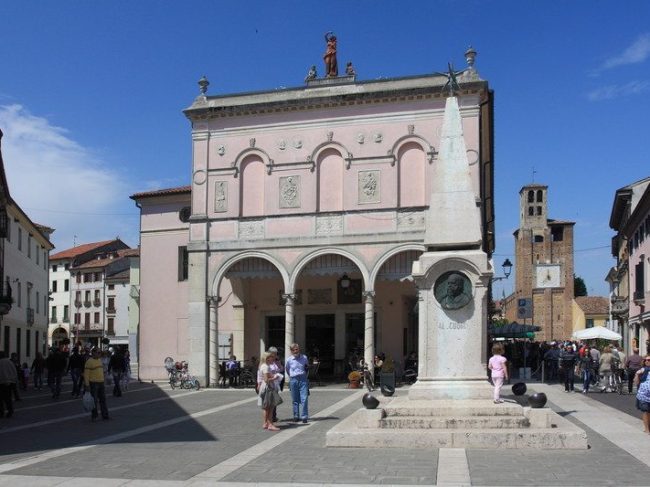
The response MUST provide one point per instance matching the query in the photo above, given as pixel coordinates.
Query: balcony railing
(620, 305)
(53, 319)
(97, 302)
(77, 304)
(87, 304)
(66, 319)
(110, 309)
(30, 316)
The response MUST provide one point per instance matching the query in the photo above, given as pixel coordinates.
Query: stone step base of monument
(403, 423)
(456, 422)
(402, 406)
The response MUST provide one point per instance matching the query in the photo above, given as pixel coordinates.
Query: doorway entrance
(275, 333)
(319, 337)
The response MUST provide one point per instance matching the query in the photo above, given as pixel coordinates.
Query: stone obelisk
(452, 277)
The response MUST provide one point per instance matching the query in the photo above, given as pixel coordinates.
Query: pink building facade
(303, 219)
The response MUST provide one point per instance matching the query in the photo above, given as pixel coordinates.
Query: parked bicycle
(179, 375)
(368, 381)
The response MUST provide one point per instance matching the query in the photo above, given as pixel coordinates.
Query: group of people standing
(270, 382)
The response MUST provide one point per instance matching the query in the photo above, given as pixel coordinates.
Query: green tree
(579, 287)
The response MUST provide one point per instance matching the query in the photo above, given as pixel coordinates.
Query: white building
(26, 251)
(61, 302)
(94, 304)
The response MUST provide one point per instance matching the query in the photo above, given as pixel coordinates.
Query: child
(497, 365)
(25, 376)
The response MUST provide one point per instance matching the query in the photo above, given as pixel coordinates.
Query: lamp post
(507, 269)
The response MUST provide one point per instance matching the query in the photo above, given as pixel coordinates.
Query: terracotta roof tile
(78, 250)
(593, 305)
(95, 263)
(162, 192)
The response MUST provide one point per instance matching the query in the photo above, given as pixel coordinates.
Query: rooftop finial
(451, 85)
(470, 73)
(203, 85)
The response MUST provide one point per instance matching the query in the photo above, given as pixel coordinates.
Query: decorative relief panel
(329, 225)
(319, 296)
(290, 192)
(410, 221)
(251, 229)
(220, 196)
(369, 186)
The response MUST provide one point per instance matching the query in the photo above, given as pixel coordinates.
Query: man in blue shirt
(297, 367)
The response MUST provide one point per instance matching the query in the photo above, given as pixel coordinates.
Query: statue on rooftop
(349, 69)
(312, 74)
(331, 66)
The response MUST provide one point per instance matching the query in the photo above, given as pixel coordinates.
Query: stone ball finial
(203, 84)
(470, 56)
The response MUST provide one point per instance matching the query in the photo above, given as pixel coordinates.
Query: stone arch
(421, 141)
(262, 154)
(216, 281)
(337, 146)
(391, 253)
(329, 250)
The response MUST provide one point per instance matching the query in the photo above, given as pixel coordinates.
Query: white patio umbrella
(597, 332)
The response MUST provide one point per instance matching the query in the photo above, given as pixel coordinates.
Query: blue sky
(91, 95)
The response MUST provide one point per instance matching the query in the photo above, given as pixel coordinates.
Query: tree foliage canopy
(579, 287)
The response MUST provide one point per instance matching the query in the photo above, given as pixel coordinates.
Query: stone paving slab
(165, 457)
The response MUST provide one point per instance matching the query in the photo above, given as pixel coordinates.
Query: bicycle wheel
(196, 384)
(367, 380)
(172, 382)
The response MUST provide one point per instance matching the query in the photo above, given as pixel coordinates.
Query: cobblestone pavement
(214, 437)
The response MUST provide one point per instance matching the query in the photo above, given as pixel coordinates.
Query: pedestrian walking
(14, 385)
(606, 364)
(268, 383)
(499, 370)
(232, 370)
(126, 377)
(277, 368)
(8, 379)
(297, 367)
(38, 365)
(116, 368)
(587, 370)
(632, 365)
(56, 369)
(94, 380)
(567, 364)
(643, 393)
(24, 375)
(75, 368)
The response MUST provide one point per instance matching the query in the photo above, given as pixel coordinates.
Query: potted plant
(355, 379)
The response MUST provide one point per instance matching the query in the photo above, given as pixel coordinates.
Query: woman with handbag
(268, 398)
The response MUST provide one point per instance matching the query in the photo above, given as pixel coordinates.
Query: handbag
(88, 402)
(271, 398)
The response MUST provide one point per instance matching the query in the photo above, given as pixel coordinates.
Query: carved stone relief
(377, 137)
(329, 225)
(220, 196)
(221, 150)
(200, 176)
(290, 192)
(297, 143)
(282, 144)
(369, 187)
(251, 229)
(361, 138)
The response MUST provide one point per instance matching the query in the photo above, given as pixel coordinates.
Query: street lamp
(507, 269)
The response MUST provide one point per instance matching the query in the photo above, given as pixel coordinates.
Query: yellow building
(590, 311)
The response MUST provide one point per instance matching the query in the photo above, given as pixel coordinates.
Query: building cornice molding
(378, 92)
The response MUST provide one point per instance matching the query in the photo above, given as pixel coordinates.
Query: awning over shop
(513, 330)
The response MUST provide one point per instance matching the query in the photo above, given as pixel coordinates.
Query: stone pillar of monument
(289, 300)
(452, 277)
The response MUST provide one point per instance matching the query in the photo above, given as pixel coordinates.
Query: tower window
(531, 211)
(539, 195)
(539, 238)
(557, 234)
(531, 196)
(539, 210)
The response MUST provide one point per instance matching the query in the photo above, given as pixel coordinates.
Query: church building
(305, 213)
